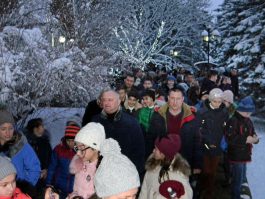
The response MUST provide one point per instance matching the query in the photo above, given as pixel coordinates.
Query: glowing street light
(209, 36)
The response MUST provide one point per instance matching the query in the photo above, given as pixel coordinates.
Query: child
(116, 176)
(240, 135)
(8, 188)
(41, 145)
(166, 164)
(58, 172)
(84, 164)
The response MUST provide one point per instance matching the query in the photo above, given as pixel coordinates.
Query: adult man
(129, 82)
(123, 128)
(209, 82)
(180, 120)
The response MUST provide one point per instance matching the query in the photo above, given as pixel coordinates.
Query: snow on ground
(256, 169)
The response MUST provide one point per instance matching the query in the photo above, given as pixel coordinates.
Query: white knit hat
(215, 93)
(228, 96)
(92, 135)
(116, 173)
(6, 167)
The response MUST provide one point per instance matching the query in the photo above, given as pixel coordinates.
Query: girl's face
(131, 194)
(216, 103)
(8, 185)
(86, 153)
(6, 132)
(157, 154)
(39, 131)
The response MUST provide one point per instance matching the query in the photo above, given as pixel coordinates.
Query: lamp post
(209, 36)
(62, 40)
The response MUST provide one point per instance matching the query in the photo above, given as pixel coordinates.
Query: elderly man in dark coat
(123, 128)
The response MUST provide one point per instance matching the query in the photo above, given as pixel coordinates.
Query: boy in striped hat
(58, 172)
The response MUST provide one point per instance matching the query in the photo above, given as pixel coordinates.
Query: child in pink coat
(84, 163)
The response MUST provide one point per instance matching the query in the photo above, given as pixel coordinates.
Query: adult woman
(15, 146)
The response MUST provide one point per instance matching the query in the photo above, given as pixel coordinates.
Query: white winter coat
(150, 186)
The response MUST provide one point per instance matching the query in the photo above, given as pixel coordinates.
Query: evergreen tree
(242, 26)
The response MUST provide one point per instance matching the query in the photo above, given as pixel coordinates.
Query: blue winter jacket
(58, 172)
(25, 160)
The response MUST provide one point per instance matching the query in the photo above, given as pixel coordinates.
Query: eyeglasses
(76, 149)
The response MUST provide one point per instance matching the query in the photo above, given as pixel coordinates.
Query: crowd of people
(155, 135)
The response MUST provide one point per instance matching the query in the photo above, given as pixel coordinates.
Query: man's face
(175, 100)
(189, 79)
(110, 102)
(129, 81)
(6, 132)
(147, 84)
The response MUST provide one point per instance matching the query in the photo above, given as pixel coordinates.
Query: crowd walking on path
(156, 134)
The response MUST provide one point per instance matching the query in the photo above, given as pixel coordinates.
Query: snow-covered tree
(242, 25)
(151, 29)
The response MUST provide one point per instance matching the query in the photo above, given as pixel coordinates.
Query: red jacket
(17, 195)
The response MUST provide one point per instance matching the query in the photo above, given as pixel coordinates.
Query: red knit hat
(169, 145)
(71, 131)
(171, 188)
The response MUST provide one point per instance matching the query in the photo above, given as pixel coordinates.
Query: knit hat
(92, 135)
(6, 167)
(150, 93)
(171, 77)
(215, 93)
(75, 118)
(116, 173)
(169, 145)
(6, 117)
(246, 105)
(71, 131)
(171, 188)
(228, 96)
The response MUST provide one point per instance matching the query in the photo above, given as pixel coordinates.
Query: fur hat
(6, 167)
(71, 131)
(215, 93)
(228, 96)
(169, 145)
(246, 105)
(6, 117)
(92, 135)
(116, 173)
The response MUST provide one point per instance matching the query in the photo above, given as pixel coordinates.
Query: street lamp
(210, 36)
(62, 40)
